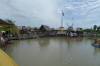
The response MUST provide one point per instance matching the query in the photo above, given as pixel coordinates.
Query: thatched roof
(70, 28)
(44, 27)
(3, 23)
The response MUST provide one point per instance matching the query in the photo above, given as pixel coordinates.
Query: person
(3, 42)
(95, 41)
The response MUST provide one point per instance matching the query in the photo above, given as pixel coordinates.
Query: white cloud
(43, 10)
(37, 12)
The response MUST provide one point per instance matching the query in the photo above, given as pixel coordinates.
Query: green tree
(95, 27)
(12, 28)
(87, 30)
(98, 28)
(81, 28)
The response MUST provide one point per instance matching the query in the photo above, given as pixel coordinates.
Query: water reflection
(96, 51)
(56, 51)
(43, 42)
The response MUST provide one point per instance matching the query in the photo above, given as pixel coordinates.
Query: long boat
(5, 60)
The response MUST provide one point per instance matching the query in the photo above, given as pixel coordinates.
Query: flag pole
(61, 21)
(62, 18)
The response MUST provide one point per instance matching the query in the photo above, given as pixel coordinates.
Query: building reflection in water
(71, 41)
(43, 42)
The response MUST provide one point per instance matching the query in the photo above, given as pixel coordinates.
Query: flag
(62, 13)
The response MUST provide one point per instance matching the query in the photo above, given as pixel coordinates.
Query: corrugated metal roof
(3, 23)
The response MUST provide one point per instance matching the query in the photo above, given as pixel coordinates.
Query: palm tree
(13, 28)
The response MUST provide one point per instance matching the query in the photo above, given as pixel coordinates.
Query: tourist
(3, 42)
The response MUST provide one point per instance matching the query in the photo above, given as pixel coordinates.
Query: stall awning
(3, 23)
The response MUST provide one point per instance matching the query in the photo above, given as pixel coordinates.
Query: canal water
(55, 51)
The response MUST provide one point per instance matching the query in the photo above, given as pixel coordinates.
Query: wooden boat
(97, 41)
(5, 60)
(96, 45)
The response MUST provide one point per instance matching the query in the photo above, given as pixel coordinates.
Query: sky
(80, 13)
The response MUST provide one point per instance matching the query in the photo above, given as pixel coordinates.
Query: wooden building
(45, 28)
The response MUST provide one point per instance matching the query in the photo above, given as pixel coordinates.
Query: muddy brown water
(54, 51)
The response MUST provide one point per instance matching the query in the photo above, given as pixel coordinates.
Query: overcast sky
(81, 13)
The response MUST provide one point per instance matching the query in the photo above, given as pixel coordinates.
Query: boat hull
(96, 45)
(5, 60)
